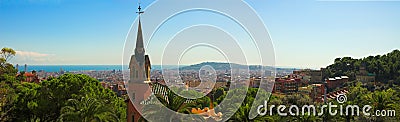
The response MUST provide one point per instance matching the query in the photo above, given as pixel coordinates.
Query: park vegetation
(70, 97)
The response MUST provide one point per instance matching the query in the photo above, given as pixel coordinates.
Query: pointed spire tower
(139, 50)
(138, 84)
(140, 63)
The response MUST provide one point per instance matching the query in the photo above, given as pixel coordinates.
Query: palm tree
(87, 109)
(241, 111)
(381, 100)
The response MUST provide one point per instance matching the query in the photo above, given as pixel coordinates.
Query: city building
(255, 82)
(317, 93)
(305, 90)
(313, 76)
(287, 85)
(204, 86)
(31, 77)
(336, 82)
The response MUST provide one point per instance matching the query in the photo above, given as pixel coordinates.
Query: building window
(133, 118)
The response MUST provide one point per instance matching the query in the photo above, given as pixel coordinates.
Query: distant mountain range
(215, 65)
(227, 66)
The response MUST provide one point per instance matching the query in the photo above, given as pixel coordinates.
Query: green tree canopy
(67, 95)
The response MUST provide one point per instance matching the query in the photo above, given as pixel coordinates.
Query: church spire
(139, 37)
(139, 50)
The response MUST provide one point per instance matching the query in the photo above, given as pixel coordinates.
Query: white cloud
(32, 57)
(30, 54)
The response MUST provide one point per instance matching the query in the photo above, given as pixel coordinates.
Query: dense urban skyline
(306, 34)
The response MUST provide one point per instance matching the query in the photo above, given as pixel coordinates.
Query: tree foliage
(87, 109)
(6, 54)
(66, 98)
(5, 67)
(8, 83)
(236, 111)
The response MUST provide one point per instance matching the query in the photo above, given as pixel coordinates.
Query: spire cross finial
(140, 10)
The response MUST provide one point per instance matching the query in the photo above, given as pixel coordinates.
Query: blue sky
(305, 34)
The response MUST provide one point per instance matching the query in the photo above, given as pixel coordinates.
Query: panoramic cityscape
(82, 70)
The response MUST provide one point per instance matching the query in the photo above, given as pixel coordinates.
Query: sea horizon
(79, 67)
(97, 67)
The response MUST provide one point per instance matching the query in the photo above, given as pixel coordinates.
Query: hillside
(215, 65)
(385, 67)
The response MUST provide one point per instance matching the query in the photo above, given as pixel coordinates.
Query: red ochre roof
(27, 74)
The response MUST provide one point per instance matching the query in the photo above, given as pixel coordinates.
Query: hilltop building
(364, 76)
